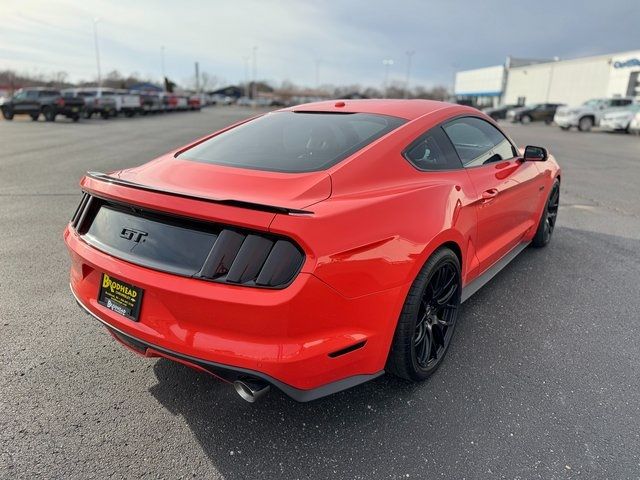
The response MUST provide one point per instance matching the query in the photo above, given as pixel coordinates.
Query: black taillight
(79, 210)
(283, 262)
(207, 251)
(252, 259)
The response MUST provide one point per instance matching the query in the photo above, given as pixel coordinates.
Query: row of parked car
(86, 102)
(612, 114)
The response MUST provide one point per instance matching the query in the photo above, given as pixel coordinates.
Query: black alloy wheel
(549, 217)
(552, 211)
(436, 316)
(428, 318)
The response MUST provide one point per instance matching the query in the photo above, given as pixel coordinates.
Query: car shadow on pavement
(517, 379)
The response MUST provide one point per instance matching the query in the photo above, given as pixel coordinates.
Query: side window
(478, 142)
(620, 102)
(432, 151)
(32, 94)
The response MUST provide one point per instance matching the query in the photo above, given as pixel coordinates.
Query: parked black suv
(499, 113)
(45, 101)
(534, 113)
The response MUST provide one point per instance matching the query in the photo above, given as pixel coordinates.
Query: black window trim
(466, 115)
(441, 125)
(419, 139)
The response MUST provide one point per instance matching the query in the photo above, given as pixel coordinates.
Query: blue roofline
(478, 94)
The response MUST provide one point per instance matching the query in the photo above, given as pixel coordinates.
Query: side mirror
(535, 154)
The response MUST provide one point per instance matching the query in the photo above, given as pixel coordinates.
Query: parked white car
(587, 115)
(619, 118)
(634, 125)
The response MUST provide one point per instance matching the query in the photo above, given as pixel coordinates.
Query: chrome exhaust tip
(251, 389)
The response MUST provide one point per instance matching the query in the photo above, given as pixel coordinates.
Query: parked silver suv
(588, 114)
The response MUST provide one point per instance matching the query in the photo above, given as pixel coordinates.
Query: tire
(415, 340)
(565, 127)
(104, 115)
(526, 119)
(87, 114)
(34, 116)
(548, 122)
(49, 114)
(548, 218)
(585, 124)
(75, 118)
(7, 113)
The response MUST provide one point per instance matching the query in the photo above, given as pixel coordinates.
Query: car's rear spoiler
(103, 177)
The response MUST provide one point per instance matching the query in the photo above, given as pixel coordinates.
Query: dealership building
(528, 81)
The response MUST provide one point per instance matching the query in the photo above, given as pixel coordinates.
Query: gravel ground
(541, 380)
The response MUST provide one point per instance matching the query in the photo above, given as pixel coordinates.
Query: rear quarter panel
(385, 217)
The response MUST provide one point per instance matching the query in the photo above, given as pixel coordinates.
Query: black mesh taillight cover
(188, 247)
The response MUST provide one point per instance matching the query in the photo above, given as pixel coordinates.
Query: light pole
(197, 77)
(410, 54)
(162, 62)
(254, 93)
(246, 76)
(387, 62)
(95, 41)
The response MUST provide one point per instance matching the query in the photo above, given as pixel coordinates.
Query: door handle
(490, 194)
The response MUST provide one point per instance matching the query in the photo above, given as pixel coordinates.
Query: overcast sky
(347, 39)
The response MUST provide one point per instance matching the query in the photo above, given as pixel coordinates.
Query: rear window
(293, 141)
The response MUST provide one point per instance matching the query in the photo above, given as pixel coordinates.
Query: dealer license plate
(120, 297)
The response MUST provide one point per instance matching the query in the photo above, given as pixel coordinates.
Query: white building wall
(530, 82)
(479, 81)
(571, 81)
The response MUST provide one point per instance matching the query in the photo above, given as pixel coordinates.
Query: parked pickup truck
(127, 102)
(587, 115)
(150, 102)
(97, 100)
(48, 102)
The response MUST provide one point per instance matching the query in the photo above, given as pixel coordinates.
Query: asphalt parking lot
(542, 380)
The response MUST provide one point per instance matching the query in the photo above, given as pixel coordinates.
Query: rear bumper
(71, 110)
(228, 373)
(287, 337)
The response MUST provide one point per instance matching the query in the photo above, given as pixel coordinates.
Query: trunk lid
(222, 183)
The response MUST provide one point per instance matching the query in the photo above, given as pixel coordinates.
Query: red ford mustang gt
(312, 248)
